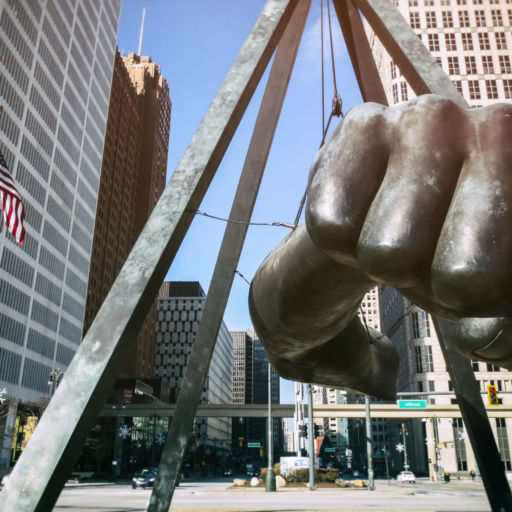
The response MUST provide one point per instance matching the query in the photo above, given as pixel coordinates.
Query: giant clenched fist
(416, 196)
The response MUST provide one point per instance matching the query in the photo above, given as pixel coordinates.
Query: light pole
(311, 437)
(369, 447)
(403, 431)
(270, 483)
(54, 380)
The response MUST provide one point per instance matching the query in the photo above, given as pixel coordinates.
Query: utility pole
(369, 443)
(403, 429)
(270, 482)
(311, 436)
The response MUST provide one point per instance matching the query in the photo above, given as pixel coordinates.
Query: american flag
(12, 207)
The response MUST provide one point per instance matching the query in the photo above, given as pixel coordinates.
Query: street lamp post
(404, 433)
(270, 483)
(54, 380)
(311, 436)
(369, 444)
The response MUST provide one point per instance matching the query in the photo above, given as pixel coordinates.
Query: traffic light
(303, 430)
(317, 430)
(492, 395)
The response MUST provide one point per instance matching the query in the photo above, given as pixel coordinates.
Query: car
(228, 472)
(406, 476)
(356, 473)
(144, 478)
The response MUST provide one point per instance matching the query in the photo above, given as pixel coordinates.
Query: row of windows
(466, 42)
(68, 145)
(429, 3)
(64, 354)
(11, 329)
(70, 331)
(65, 168)
(62, 28)
(9, 128)
(17, 39)
(11, 64)
(14, 298)
(73, 307)
(29, 151)
(54, 42)
(47, 86)
(35, 375)
(423, 359)
(79, 261)
(62, 191)
(43, 109)
(44, 316)
(53, 236)
(11, 97)
(40, 343)
(81, 237)
(39, 133)
(51, 64)
(48, 289)
(24, 19)
(75, 283)
(484, 65)
(463, 17)
(10, 364)
(51, 263)
(15, 266)
(89, 174)
(70, 121)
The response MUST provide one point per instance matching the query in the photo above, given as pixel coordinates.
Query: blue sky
(195, 43)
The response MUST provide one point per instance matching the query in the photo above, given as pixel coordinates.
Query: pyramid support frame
(40, 474)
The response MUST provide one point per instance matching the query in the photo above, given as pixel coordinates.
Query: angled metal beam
(227, 262)
(358, 47)
(476, 421)
(45, 464)
(419, 68)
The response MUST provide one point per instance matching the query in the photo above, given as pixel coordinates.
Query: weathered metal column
(227, 261)
(40, 474)
(475, 419)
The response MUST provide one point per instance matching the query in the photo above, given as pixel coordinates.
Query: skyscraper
(57, 59)
(132, 179)
(250, 386)
(471, 40)
(180, 307)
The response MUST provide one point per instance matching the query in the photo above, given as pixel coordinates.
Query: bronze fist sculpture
(416, 196)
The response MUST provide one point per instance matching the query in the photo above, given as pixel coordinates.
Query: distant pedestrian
(472, 474)
(446, 477)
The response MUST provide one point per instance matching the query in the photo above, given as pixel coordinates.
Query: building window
(462, 2)
(497, 19)
(492, 368)
(458, 84)
(501, 42)
(429, 361)
(414, 18)
(492, 89)
(480, 18)
(453, 66)
(396, 99)
(464, 18)
(505, 64)
(420, 324)
(445, 2)
(431, 386)
(483, 41)
(450, 43)
(413, 3)
(420, 386)
(431, 19)
(487, 64)
(403, 91)
(447, 19)
(470, 65)
(467, 41)
(474, 89)
(418, 359)
(507, 88)
(460, 445)
(393, 70)
(475, 366)
(433, 42)
(501, 430)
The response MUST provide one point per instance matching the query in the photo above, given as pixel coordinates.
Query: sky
(195, 43)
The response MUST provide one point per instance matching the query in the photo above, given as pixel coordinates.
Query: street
(218, 495)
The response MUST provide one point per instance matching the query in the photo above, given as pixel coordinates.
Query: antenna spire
(141, 30)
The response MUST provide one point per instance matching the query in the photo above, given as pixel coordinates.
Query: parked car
(228, 472)
(144, 478)
(406, 476)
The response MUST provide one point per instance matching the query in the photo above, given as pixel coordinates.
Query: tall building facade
(250, 386)
(472, 41)
(180, 307)
(57, 59)
(132, 179)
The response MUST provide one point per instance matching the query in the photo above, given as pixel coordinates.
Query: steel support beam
(40, 474)
(227, 262)
(475, 419)
(360, 52)
(419, 68)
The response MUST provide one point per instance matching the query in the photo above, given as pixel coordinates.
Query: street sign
(253, 445)
(412, 404)
(330, 450)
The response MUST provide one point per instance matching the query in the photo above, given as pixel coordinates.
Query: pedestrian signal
(492, 395)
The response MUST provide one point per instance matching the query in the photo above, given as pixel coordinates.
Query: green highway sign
(330, 450)
(412, 404)
(253, 445)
